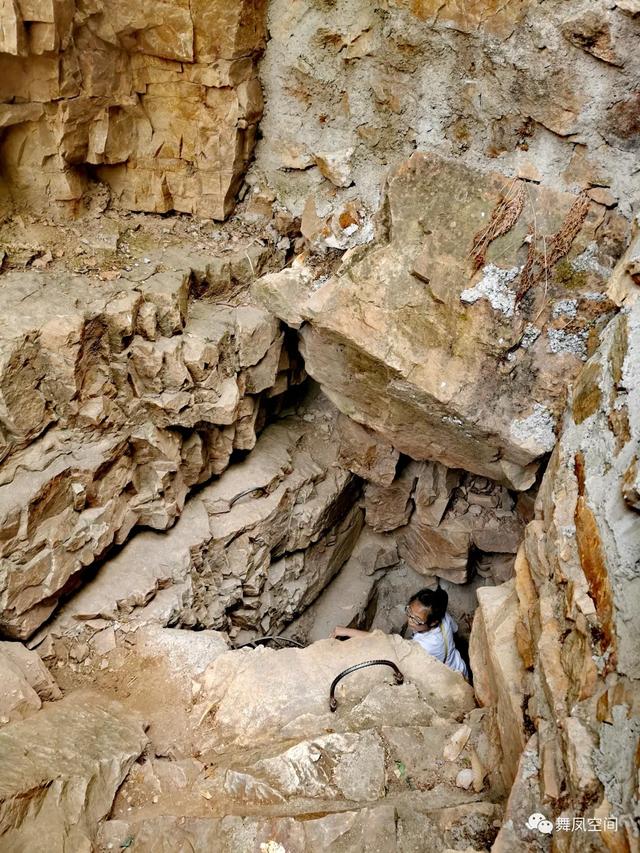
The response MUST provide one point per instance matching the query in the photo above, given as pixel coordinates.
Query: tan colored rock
(578, 591)
(372, 830)
(448, 358)
(390, 507)
(18, 699)
(140, 406)
(302, 707)
(346, 599)
(497, 668)
(336, 166)
(33, 669)
(456, 743)
(252, 550)
(453, 513)
(60, 771)
(624, 285)
(163, 100)
(365, 453)
(592, 32)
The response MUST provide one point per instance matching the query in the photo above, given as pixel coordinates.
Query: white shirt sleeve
(454, 624)
(431, 642)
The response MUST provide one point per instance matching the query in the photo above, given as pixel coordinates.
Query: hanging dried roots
(555, 248)
(504, 217)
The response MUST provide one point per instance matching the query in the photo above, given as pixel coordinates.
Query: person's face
(417, 617)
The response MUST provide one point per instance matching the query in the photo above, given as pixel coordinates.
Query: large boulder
(455, 334)
(293, 701)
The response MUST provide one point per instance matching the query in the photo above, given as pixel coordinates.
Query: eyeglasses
(413, 618)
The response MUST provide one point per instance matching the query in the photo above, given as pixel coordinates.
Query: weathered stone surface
(389, 506)
(345, 601)
(114, 403)
(164, 100)
(32, 668)
(498, 670)
(302, 707)
(471, 375)
(624, 284)
(442, 515)
(578, 590)
(365, 453)
(18, 699)
(484, 82)
(251, 550)
(370, 830)
(60, 770)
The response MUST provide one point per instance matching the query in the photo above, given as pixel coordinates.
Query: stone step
(60, 770)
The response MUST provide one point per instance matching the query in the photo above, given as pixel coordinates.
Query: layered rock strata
(116, 400)
(161, 101)
(454, 335)
(250, 551)
(574, 618)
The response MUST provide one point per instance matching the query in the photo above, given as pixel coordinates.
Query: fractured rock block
(164, 100)
(389, 506)
(251, 550)
(299, 706)
(498, 670)
(60, 770)
(466, 375)
(113, 405)
(365, 453)
(357, 771)
(445, 514)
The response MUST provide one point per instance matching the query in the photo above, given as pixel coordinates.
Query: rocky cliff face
(574, 610)
(410, 358)
(159, 101)
(353, 88)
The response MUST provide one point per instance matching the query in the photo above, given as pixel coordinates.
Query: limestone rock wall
(546, 91)
(574, 617)
(251, 550)
(160, 100)
(117, 399)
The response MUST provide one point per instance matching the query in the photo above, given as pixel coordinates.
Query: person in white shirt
(433, 628)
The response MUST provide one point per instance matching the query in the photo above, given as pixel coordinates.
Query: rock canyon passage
(307, 306)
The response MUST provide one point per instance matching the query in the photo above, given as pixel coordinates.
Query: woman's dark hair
(434, 602)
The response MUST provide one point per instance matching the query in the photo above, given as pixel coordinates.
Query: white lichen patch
(536, 431)
(494, 286)
(568, 343)
(531, 334)
(565, 308)
(588, 262)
